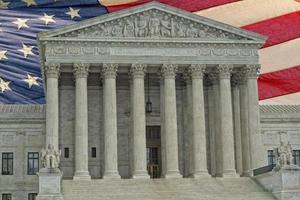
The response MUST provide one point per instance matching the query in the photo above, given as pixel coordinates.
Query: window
(32, 196)
(7, 163)
(33, 163)
(67, 152)
(153, 132)
(6, 197)
(271, 157)
(296, 155)
(94, 152)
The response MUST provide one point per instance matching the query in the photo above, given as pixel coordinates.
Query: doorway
(153, 138)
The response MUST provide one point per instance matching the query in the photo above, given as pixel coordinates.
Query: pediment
(151, 21)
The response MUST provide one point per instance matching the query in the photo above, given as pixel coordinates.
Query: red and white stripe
(279, 20)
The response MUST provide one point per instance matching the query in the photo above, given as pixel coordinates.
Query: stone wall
(22, 130)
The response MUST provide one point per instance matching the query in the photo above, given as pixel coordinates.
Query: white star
(2, 55)
(3, 4)
(73, 13)
(26, 50)
(30, 2)
(47, 18)
(31, 80)
(21, 23)
(4, 85)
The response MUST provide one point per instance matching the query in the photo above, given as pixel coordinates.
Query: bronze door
(153, 151)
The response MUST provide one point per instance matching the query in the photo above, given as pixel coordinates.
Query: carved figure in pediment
(192, 31)
(141, 27)
(107, 30)
(181, 29)
(154, 26)
(117, 30)
(202, 33)
(166, 26)
(129, 29)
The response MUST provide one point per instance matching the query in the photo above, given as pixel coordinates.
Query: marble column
(244, 125)
(189, 124)
(162, 126)
(227, 136)
(237, 123)
(172, 165)
(139, 122)
(215, 121)
(258, 159)
(198, 130)
(212, 128)
(81, 122)
(52, 114)
(109, 72)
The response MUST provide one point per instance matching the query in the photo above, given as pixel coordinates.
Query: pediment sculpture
(153, 23)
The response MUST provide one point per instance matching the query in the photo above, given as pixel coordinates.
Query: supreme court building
(152, 92)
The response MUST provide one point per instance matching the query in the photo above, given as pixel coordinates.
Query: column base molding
(247, 173)
(111, 175)
(140, 175)
(201, 174)
(230, 174)
(172, 174)
(82, 176)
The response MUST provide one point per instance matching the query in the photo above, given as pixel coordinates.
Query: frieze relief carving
(153, 24)
(77, 50)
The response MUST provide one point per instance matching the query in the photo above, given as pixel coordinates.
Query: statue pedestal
(50, 184)
(287, 183)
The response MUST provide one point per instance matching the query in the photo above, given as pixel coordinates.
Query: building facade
(197, 79)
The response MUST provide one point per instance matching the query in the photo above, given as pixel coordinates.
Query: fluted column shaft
(199, 133)
(109, 72)
(189, 124)
(139, 122)
(81, 122)
(244, 126)
(237, 124)
(217, 142)
(257, 158)
(172, 166)
(227, 134)
(52, 115)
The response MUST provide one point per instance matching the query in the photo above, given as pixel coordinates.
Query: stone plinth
(287, 183)
(50, 185)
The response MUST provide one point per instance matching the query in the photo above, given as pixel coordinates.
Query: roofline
(148, 6)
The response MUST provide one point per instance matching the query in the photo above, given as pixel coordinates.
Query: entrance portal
(153, 151)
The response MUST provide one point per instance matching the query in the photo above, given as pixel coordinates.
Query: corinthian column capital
(52, 70)
(138, 70)
(169, 71)
(81, 70)
(252, 71)
(224, 71)
(109, 70)
(197, 71)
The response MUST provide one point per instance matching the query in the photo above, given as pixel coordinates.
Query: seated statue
(50, 157)
(283, 155)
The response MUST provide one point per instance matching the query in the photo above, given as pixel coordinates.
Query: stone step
(165, 189)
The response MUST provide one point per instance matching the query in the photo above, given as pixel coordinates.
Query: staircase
(165, 189)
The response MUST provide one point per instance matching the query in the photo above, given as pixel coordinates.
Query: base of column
(230, 174)
(172, 174)
(247, 174)
(111, 175)
(82, 175)
(201, 174)
(140, 175)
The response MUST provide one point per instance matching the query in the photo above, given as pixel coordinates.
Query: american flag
(21, 20)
